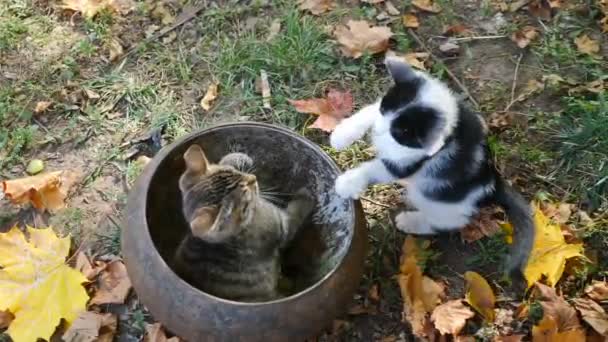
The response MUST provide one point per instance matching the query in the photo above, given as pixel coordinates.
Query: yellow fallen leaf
(316, 7)
(89, 8)
(210, 96)
(43, 191)
(593, 314)
(427, 5)
(587, 45)
(34, 279)
(451, 316)
(420, 294)
(410, 21)
(546, 331)
(479, 295)
(360, 37)
(549, 252)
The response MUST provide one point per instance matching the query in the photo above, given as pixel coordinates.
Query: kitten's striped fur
(233, 247)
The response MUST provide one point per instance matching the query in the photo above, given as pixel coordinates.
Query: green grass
(491, 251)
(12, 30)
(69, 221)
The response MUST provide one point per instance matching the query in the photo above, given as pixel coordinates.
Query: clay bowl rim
(167, 151)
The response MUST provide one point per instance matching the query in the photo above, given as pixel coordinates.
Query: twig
(367, 199)
(469, 39)
(187, 14)
(461, 85)
(515, 75)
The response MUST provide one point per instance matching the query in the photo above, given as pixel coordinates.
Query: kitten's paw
(350, 185)
(413, 222)
(343, 136)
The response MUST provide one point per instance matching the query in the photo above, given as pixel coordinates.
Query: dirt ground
(118, 90)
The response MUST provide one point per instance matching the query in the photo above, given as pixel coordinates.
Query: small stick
(468, 39)
(462, 87)
(515, 75)
(367, 199)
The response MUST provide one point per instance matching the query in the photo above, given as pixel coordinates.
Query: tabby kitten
(425, 137)
(233, 247)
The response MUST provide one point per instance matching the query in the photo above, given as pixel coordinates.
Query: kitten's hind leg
(413, 222)
(298, 209)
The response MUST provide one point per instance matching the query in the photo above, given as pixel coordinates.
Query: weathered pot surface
(328, 254)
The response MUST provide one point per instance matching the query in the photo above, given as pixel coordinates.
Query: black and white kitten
(424, 137)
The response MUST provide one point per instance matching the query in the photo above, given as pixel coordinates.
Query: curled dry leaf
(89, 326)
(451, 316)
(34, 278)
(84, 265)
(598, 290)
(558, 212)
(549, 252)
(89, 8)
(114, 284)
(457, 30)
(156, 333)
(360, 37)
(43, 191)
(42, 106)
(479, 295)
(524, 36)
(410, 20)
(415, 59)
(556, 307)
(336, 106)
(593, 314)
(540, 9)
(116, 49)
(316, 7)
(587, 45)
(210, 96)
(420, 294)
(547, 331)
(484, 224)
(427, 5)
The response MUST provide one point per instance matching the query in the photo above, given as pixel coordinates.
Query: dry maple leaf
(484, 224)
(43, 191)
(547, 331)
(84, 265)
(555, 306)
(34, 279)
(42, 106)
(210, 96)
(451, 316)
(593, 314)
(457, 30)
(587, 45)
(427, 5)
(549, 252)
(156, 333)
(114, 284)
(410, 20)
(415, 59)
(598, 290)
(360, 37)
(524, 36)
(420, 294)
(336, 106)
(558, 212)
(90, 326)
(316, 7)
(479, 295)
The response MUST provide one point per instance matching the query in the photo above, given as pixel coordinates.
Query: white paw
(343, 136)
(350, 185)
(413, 222)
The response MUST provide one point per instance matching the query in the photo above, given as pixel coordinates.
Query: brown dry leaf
(162, 13)
(540, 9)
(516, 5)
(89, 8)
(265, 89)
(42, 106)
(594, 87)
(116, 49)
(587, 45)
(420, 294)
(547, 331)
(88, 326)
(499, 120)
(593, 314)
(509, 338)
(336, 106)
(457, 30)
(84, 265)
(5, 319)
(524, 36)
(604, 23)
(558, 212)
(451, 316)
(415, 59)
(484, 224)
(273, 31)
(555, 306)
(373, 293)
(427, 5)
(479, 295)
(316, 7)
(410, 20)
(210, 96)
(598, 290)
(464, 338)
(114, 284)
(532, 87)
(360, 37)
(156, 333)
(43, 191)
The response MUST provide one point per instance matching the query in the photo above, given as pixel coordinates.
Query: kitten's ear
(203, 222)
(195, 159)
(400, 70)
